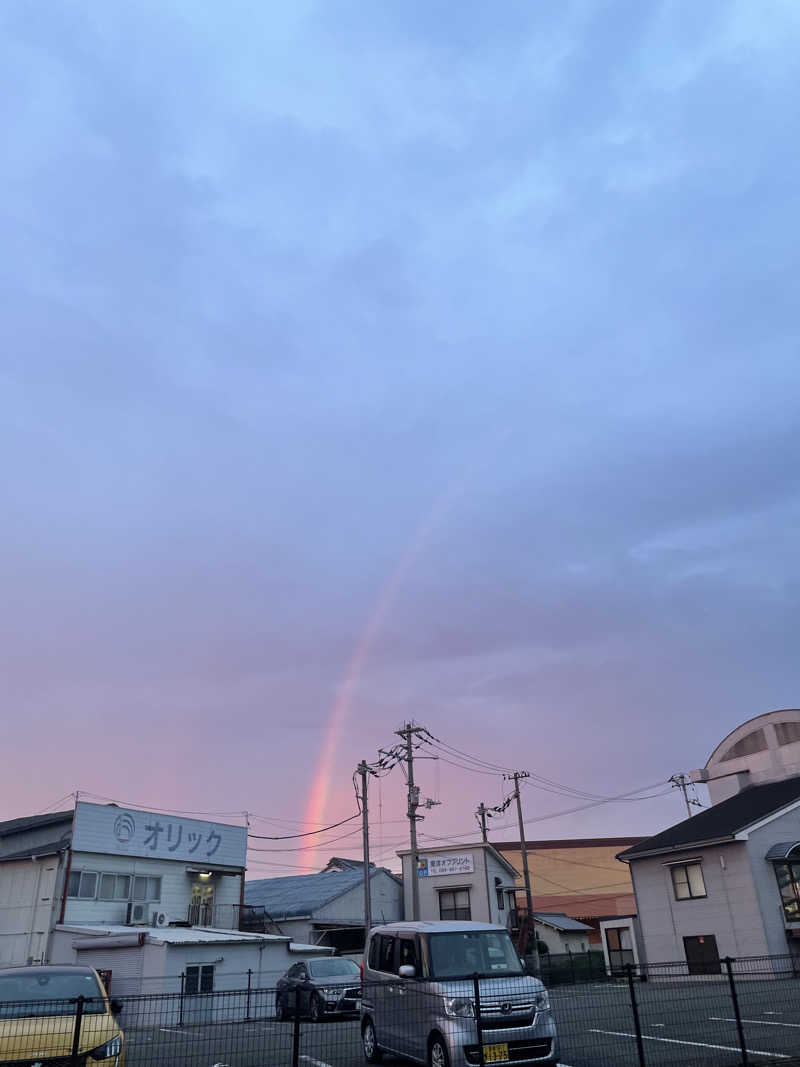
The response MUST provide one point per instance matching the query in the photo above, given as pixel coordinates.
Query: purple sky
(461, 336)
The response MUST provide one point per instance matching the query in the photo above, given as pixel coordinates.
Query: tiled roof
(721, 821)
(301, 894)
(562, 922)
(33, 822)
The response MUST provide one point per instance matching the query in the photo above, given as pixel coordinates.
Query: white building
(147, 896)
(463, 882)
(326, 908)
(561, 934)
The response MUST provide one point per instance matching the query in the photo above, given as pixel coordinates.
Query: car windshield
(32, 992)
(487, 952)
(336, 968)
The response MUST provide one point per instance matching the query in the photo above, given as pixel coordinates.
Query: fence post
(728, 961)
(296, 1029)
(75, 1058)
(476, 992)
(637, 1025)
(571, 964)
(249, 982)
(183, 983)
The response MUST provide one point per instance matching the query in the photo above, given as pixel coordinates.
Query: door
(410, 1002)
(702, 955)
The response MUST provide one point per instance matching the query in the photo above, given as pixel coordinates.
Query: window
(788, 875)
(373, 953)
(91, 885)
(114, 887)
(747, 746)
(82, 884)
(501, 897)
(787, 732)
(199, 978)
(386, 954)
(687, 881)
(454, 904)
(146, 888)
(407, 954)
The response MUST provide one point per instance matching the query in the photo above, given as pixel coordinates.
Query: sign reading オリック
(431, 866)
(105, 828)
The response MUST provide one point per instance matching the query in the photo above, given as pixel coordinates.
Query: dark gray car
(330, 985)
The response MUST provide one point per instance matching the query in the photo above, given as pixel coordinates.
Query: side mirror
(116, 1007)
(407, 971)
(522, 961)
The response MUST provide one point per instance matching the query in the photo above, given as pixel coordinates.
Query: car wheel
(438, 1055)
(372, 1054)
(317, 1009)
(280, 1010)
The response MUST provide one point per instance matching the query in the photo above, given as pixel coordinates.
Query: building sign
(431, 866)
(109, 830)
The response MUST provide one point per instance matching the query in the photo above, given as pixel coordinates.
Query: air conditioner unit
(160, 918)
(138, 914)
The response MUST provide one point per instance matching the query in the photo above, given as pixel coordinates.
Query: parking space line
(694, 1044)
(757, 1022)
(317, 1063)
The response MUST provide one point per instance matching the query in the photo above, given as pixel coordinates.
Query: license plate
(495, 1053)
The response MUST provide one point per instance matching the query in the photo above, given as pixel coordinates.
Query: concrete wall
(730, 911)
(784, 828)
(559, 941)
(28, 899)
(176, 888)
(480, 882)
(386, 900)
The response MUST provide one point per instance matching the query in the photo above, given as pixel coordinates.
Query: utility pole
(481, 814)
(515, 777)
(680, 781)
(364, 769)
(408, 733)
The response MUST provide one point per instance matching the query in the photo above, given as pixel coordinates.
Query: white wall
(730, 911)
(386, 902)
(176, 888)
(28, 897)
(483, 902)
(559, 941)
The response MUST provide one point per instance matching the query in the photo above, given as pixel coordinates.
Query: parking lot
(686, 1022)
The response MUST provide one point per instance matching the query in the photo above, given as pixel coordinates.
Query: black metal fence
(740, 1013)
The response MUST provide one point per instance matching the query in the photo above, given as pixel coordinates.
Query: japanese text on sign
(431, 866)
(105, 828)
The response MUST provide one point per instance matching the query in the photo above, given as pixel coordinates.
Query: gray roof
(302, 894)
(52, 848)
(33, 822)
(559, 921)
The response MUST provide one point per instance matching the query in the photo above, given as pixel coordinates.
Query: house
(145, 895)
(325, 908)
(559, 934)
(579, 877)
(726, 882)
(471, 881)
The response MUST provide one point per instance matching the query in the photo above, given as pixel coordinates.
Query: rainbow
(319, 795)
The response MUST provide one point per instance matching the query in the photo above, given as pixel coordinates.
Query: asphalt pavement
(686, 1024)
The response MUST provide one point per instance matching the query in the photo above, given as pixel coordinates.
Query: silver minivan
(418, 997)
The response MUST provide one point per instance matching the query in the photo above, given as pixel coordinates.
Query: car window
(49, 992)
(407, 955)
(386, 954)
(373, 953)
(333, 968)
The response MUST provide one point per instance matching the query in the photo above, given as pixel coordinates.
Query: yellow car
(38, 1011)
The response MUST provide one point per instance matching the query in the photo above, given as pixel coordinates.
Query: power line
(307, 833)
(302, 848)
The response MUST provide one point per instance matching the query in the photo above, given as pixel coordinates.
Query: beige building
(580, 877)
(470, 882)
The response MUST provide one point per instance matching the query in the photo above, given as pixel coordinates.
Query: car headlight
(459, 1007)
(541, 1001)
(332, 991)
(108, 1050)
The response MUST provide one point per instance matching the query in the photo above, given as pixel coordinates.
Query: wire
(302, 848)
(157, 807)
(307, 833)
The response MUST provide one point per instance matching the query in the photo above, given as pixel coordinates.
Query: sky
(371, 362)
